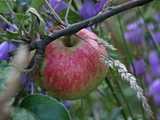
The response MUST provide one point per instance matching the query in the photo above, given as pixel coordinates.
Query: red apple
(73, 67)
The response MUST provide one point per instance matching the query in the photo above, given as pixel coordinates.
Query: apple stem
(69, 41)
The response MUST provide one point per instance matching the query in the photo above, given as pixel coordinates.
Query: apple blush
(73, 65)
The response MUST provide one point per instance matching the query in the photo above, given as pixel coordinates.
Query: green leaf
(4, 69)
(22, 19)
(116, 114)
(20, 113)
(37, 3)
(8, 36)
(73, 17)
(45, 108)
(3, 7)
(35, 12)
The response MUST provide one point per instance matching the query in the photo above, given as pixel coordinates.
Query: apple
(73, 65)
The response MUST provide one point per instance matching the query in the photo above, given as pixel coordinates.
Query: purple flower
(48, 26)
(27, 82)
(135, 25)
(2, 25)
(90, 9)
(135, 36)
(157, 17)
(58, 5)
(154, 91)
(67, 103)
(153, 58)
(155, 70)
(156, 99)
(5, 49)
(148, 78)
(156, 37)
(155, 63)
(7, 27)
(151, 26)
(154, 88)
(11, 28)
(99, 5)
(138, 67)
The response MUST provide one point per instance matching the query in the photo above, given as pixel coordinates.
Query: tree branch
(86, 23)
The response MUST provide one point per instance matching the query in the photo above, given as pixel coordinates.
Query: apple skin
(72, 72)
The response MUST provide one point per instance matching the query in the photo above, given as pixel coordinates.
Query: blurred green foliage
(111, 101)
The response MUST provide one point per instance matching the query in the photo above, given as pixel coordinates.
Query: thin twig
(5, 20)
(67, 12)
(53, 12)
(72, 29)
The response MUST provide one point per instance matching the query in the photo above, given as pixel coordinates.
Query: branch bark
(72, 29)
